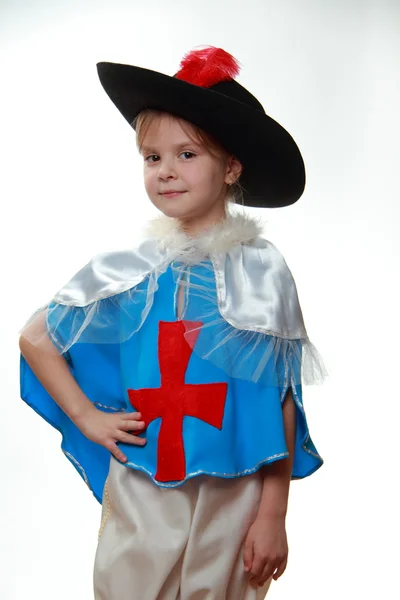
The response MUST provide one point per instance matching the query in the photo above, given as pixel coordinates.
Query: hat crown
(237, 92)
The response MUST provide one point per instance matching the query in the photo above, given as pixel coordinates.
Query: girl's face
(173, 162)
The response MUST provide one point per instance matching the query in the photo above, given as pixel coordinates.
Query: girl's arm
(266, 548)
(274, 501)
(52, 371)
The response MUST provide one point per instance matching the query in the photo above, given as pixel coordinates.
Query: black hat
(205, 93)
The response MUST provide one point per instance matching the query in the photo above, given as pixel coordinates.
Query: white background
(71, 187)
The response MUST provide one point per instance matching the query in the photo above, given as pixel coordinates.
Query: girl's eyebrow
(148, 149)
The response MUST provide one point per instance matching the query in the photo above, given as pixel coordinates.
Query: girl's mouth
(172, 194)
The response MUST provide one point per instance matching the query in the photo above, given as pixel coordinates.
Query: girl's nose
(166, 169)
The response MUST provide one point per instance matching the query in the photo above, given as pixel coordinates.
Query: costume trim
(220, 238)
(262, 462)
(78, 467)
(106, 509)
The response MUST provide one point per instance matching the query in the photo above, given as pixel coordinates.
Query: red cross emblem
(176, 399)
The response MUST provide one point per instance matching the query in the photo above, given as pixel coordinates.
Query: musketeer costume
(209, 382)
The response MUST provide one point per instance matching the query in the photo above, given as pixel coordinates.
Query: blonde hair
(143, 121)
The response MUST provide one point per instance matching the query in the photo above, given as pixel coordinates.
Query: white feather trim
(238, 228)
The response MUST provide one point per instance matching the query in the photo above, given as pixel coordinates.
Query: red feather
(208, 66)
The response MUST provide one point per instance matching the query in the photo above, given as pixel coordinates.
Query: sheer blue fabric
(111, 346)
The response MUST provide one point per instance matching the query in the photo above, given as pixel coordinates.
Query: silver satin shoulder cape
(255, 288)
(252, 305)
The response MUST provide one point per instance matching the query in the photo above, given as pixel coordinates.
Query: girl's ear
(234, 169)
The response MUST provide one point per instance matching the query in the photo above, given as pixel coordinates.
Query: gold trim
(106, 509)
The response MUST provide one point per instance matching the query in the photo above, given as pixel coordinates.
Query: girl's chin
(180, 209)
(175, 210)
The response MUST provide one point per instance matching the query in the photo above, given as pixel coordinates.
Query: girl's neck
(197, 226)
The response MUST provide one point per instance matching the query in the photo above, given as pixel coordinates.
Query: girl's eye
(151, 156)
(156, 157)
(187, 152)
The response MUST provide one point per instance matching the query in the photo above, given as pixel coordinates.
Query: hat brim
(273, 168)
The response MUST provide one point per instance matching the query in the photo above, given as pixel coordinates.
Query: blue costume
(210, 392)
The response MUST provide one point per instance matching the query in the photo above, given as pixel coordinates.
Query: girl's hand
(265, 549)
(108, 428)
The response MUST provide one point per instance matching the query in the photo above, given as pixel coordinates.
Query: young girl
(174, 369)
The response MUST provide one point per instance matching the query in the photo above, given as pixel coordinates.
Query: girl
(174, 369)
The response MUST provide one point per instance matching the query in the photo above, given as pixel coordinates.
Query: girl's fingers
(248, 554)
(131, 415)
(267, 572)
(127, 425)
(128, 438)
(257, 568)
(281, 569)
(116, 452)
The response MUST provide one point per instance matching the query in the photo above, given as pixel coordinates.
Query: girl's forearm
(52, 371)
(277, 475)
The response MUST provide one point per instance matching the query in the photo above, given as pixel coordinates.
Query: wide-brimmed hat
(205, 93)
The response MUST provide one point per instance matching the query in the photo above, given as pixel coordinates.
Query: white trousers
(183, 543)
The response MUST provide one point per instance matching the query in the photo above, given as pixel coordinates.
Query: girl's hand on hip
(266, 549)
(107, 429)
